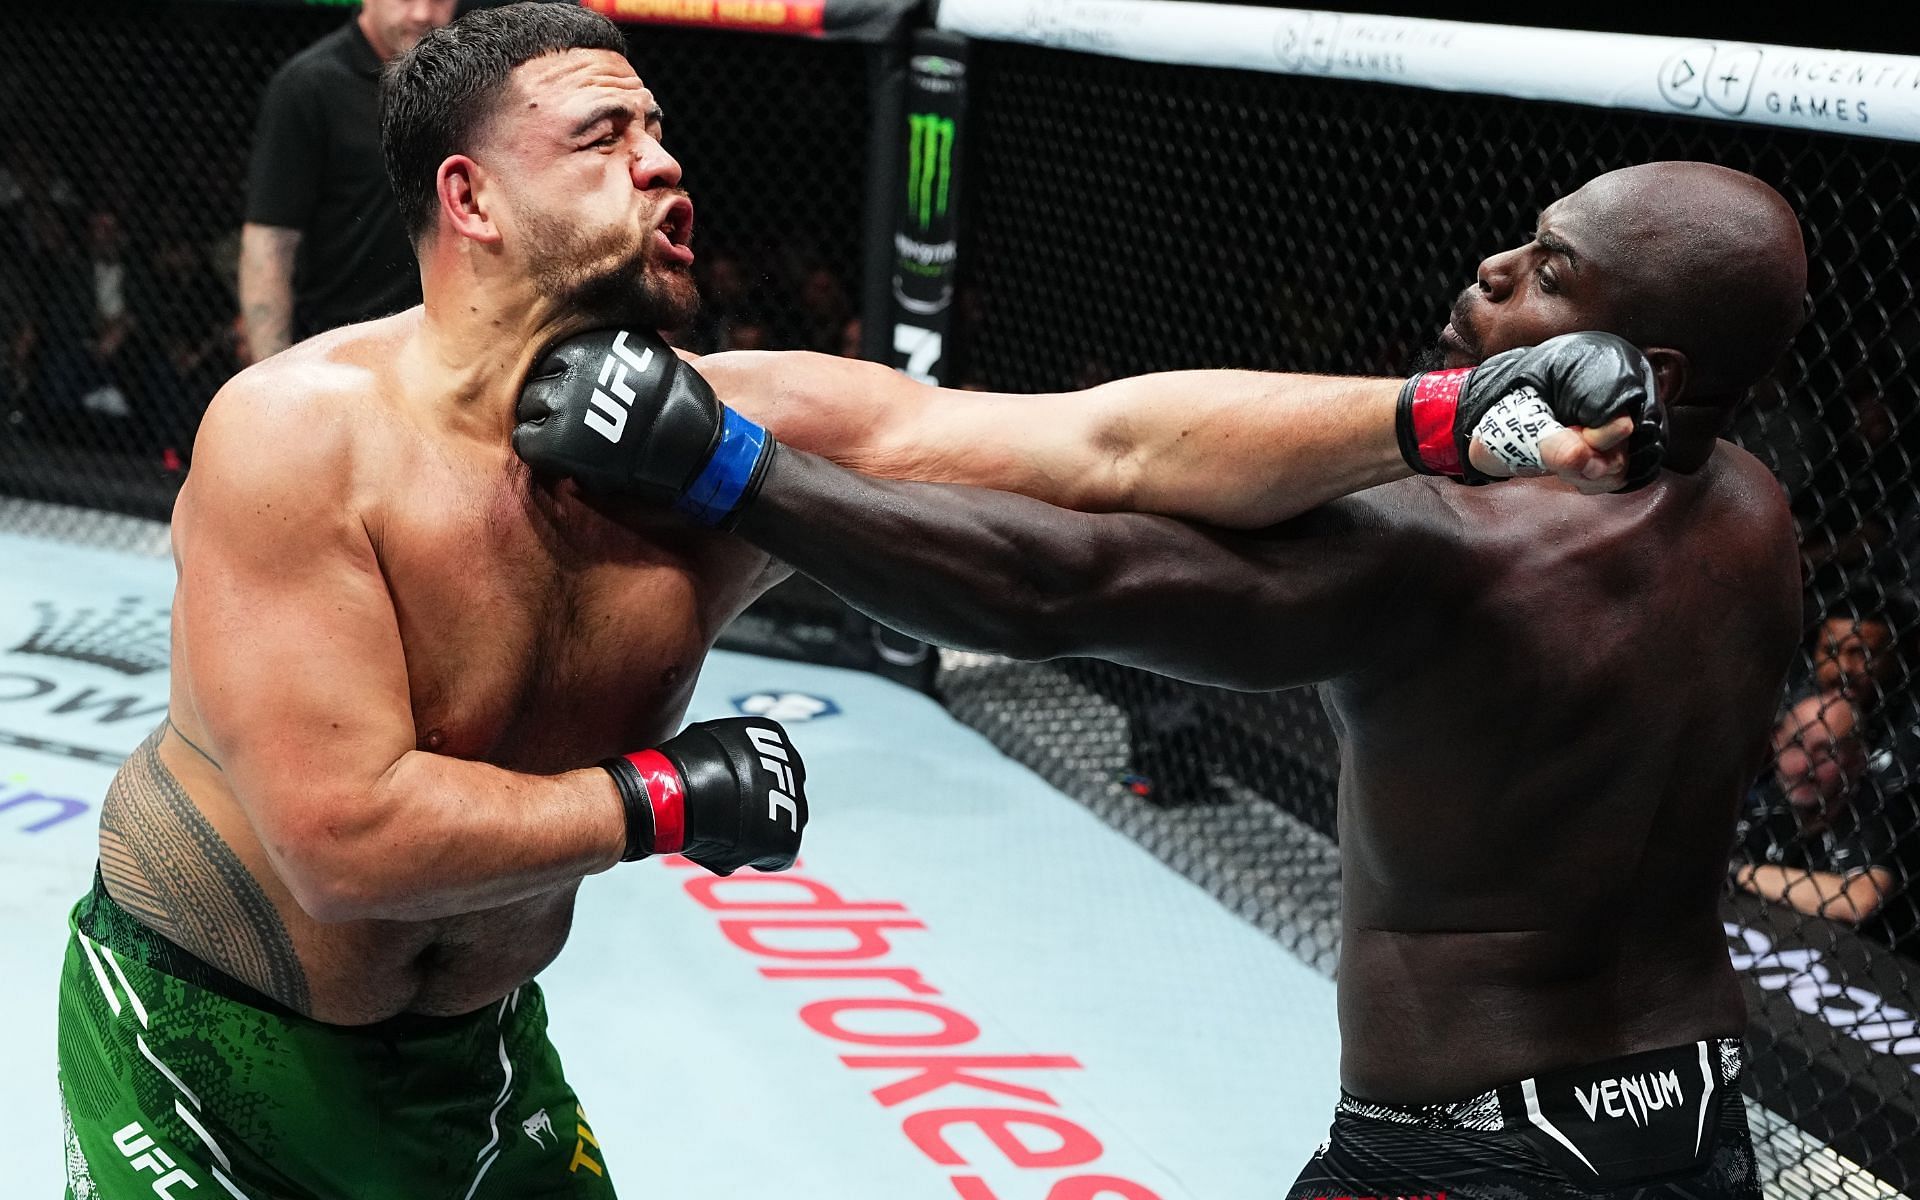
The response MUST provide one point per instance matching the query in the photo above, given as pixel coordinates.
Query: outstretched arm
(1241, 449)
(1852, 897)
(992, 571)
(995, 570)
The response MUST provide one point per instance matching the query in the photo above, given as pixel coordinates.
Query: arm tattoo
(166, 864)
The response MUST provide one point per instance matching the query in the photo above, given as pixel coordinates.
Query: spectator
(323, 244)
(1861, 649)
(1832, 832)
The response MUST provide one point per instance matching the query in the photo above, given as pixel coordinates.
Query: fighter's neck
(474, 345)
(1693, 430)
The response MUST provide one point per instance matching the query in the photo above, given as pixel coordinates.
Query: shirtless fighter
(1535, 994)
(329, 879)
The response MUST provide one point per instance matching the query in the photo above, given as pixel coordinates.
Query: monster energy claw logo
(929, 166)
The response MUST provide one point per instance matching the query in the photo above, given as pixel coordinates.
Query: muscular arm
(1239, 449)
(1851, 898)
(1242, 449)
(267, 254)
(993, 571)
(292, 652)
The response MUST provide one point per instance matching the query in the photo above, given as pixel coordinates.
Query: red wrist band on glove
(666, 795)
(1436, 398)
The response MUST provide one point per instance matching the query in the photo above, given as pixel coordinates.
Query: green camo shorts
(179, 1081)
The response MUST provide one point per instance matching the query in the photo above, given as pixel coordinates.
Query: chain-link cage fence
(1129, 217)
(1124, 217)
(124, 151)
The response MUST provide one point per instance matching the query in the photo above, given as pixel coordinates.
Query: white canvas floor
(1203, 1057)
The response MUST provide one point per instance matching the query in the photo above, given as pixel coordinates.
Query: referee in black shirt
(323, 244)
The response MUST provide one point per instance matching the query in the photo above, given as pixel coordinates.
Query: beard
(1434, 356)
(606, 288)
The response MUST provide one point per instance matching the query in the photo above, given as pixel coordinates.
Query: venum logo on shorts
(608, 416)
(538, 1124)
(1631, 1096)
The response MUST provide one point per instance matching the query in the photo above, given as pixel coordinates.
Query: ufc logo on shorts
(774, 756)
(133, 1142)
(608, 416)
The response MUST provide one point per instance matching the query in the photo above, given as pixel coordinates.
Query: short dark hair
(438, 95)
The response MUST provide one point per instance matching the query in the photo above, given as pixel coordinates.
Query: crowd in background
(114, 336)
(1832, 829)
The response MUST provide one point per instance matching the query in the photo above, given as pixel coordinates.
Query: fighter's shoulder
(1750, 509)
(1417, 509)
(289, 432)
(1744, 481)
(1407, 530)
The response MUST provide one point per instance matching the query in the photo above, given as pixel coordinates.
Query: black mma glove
(623, 414)
(727, 794)
(1584, 379)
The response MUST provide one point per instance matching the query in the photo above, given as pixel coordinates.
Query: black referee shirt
(317, 167)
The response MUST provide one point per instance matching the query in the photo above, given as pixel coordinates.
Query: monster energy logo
(929, 166)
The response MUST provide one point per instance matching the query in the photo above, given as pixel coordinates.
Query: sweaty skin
(395, 655)
(1548, 704)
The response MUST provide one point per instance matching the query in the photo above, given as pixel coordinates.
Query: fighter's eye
(1548, 283)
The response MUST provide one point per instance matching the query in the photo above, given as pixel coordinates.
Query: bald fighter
(1535, 994)
(414, 689)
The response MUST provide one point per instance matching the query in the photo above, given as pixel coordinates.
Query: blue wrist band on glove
(711, 497)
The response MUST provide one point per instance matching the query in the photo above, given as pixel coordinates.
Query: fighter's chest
(542, 635)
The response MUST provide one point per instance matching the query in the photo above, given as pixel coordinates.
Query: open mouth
(677, 222)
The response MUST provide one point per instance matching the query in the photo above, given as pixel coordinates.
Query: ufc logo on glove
(773, 756)
(608, 416)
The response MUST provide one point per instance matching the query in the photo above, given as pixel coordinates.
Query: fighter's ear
(461, 186)
(1671, 373)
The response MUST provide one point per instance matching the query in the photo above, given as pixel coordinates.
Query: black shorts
(1666, 1123)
